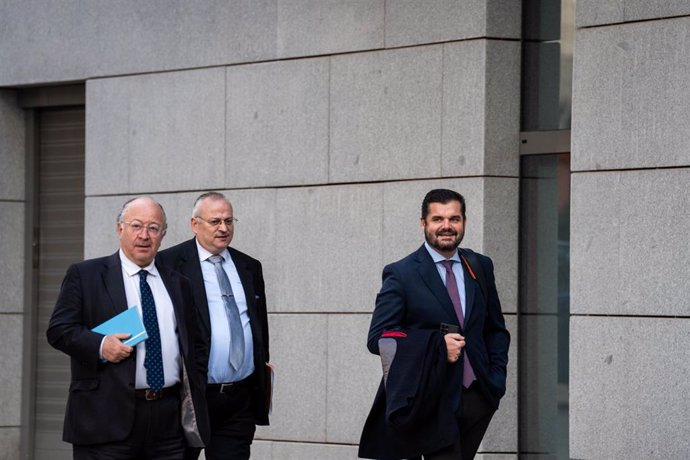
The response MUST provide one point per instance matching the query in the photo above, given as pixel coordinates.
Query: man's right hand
(454, 344)
(114, 350)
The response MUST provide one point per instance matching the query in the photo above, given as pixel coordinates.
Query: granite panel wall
(603, 12)
(385, 117)
(11, 147)
(67, 41)
(277, 123)
(325, 123)
(134, 145)
(419, 21)
(631, 96)
(628, 361)
(12, 229)
(11, 342)
(424, 112)
(628, 230)
(12, 241)
(277, 450)
(315, 27)
(418, 112)
(628, 377)
(106, 38)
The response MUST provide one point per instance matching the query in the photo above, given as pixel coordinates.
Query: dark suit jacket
(185, 258)
(100, 406)
(413, 296)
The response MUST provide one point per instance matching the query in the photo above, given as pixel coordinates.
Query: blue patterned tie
(154, 360)
(233, 313)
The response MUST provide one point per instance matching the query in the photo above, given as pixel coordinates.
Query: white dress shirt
(457, 271)
(219, 370)
(167, 324)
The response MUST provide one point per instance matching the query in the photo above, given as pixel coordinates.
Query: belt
(226, 388)
(151, 395)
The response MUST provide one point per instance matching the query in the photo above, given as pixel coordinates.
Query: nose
(144, 233)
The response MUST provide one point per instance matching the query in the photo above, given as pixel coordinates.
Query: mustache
(446, 233)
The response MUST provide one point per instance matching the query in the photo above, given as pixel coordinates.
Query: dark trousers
(156, 435)
(232, 425)
(474, 415)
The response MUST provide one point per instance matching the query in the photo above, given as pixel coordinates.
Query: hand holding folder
(127, 322)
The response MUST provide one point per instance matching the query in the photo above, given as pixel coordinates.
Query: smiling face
(214, 238)
(444, 227)
(137, 241)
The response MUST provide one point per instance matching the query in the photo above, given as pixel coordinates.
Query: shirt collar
(438, 257)
(204, 254)
(132, 269)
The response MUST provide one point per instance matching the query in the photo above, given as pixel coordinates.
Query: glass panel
(547, 55)
(544, 306)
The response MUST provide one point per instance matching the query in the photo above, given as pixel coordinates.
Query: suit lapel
(190, 266)
(429, 273)
(175, 294)
(114, 283)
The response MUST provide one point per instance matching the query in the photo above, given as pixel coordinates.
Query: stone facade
(325, 122)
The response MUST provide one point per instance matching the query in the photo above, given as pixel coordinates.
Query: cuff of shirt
(100, 351)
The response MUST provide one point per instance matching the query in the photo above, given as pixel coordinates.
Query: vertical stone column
(630, 214)
(12, 250)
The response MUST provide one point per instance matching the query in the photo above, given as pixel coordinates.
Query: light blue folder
(127, 322)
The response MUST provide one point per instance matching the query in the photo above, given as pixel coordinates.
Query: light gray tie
(233, 314)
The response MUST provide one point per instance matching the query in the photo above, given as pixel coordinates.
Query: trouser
(232, 423)
(157, 435)
(474, 415)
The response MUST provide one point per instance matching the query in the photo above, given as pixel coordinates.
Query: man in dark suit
(128, 402)
(229, 291)
(435, 286)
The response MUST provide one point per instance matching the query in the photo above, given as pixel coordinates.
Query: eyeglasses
(215, 222)
(136, 227)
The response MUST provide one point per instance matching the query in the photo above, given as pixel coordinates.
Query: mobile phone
(449, 328)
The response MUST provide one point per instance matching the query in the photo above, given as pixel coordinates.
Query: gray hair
(215, 196)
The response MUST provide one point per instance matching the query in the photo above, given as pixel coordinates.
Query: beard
(445, 245)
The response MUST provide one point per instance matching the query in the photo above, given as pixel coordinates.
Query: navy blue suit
(413, 296)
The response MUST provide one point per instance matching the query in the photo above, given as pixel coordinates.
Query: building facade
(326, 122)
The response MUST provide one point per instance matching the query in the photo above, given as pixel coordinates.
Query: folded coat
(414, 409)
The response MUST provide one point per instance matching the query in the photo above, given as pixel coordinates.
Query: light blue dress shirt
(219, 370)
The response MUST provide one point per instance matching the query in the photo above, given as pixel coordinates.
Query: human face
(141, 246)
(213, 238)
(444, 227)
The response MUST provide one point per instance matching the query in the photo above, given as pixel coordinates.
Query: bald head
(141, 225)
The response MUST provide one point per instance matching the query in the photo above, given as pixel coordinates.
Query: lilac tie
(452, 286)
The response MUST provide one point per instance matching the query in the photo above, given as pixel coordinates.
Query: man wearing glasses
(229, 291)
(125, 402)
